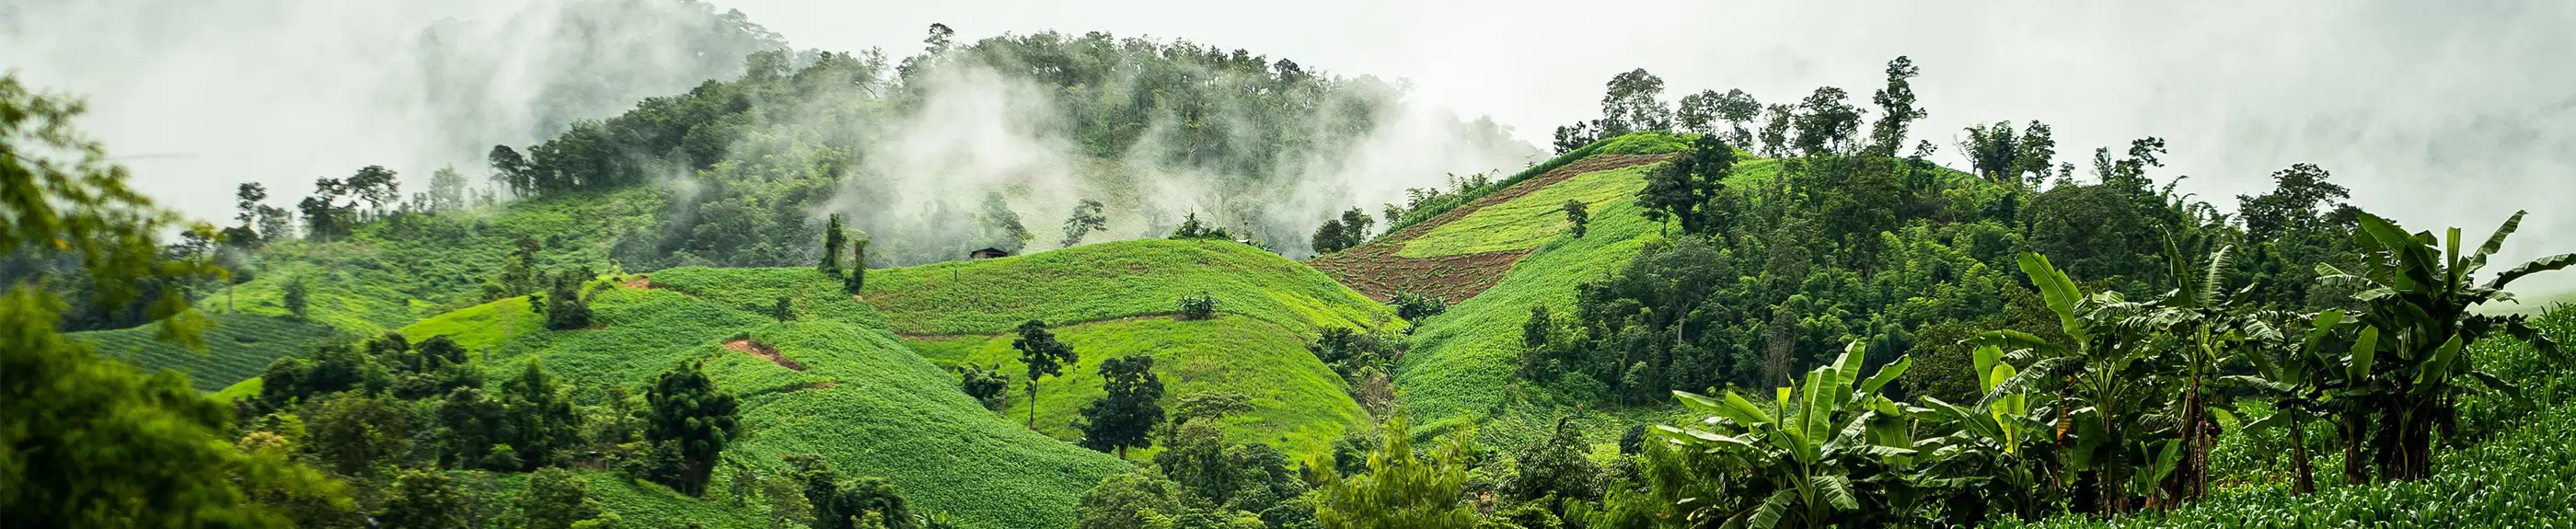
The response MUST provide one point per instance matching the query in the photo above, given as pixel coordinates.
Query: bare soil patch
(755, 348)
(1375, 270)
(638, 282)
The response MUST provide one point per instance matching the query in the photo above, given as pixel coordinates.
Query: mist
(2434, 113)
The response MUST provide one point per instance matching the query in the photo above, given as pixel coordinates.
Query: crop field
(1299, 405)
(1112, 280)
(1460, 367)
(1526, 221)
(238, 347)
(863, 400)
(392, 273)
(1380, 270)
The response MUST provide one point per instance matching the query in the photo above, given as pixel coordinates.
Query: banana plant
(1984, 446)
(2104, 382)
(2303, 380)
(1804, 449)
(2421, 294)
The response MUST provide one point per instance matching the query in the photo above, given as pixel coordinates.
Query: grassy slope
(1300, 405)
(1113, 299)
(1461, 369)
(1530, 220)
(396, 272)
(238, 347)
(1112, 280)
(885, 413)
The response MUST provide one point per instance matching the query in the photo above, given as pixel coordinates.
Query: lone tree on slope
(1045, 357)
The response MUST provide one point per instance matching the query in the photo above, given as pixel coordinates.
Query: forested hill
(833, 292)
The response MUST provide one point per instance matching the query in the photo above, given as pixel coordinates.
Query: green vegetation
(237, 347)
(1113, 280)
(1298, 403)
(1530, 220)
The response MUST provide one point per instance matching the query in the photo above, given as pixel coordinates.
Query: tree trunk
(1033, 405)
(2307, 477)
(2355, 471)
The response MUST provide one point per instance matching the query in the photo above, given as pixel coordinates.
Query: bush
(1414, 307)
(1198, 307)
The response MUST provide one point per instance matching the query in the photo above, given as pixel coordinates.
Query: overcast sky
(2433, 112)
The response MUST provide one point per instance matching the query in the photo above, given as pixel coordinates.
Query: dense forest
(744, 305)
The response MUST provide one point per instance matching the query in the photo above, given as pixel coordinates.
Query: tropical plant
(2420, 294)
(1830, 452)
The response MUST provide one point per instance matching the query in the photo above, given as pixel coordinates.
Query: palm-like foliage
(1985, 447)
(2105, 383)
(1813, 455)
(2420, 293)
(2302, 380)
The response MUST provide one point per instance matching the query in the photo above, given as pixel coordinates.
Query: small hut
(987, 253)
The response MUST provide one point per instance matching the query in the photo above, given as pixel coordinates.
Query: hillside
(1116, 299)
(1458, 253)
(841, 387)
(238, 346)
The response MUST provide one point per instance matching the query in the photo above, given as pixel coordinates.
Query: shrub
(1198, 307)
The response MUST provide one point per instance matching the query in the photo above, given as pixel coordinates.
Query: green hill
(238, 346)
(841, 387)
(1116, 299)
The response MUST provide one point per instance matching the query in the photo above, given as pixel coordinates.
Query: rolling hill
(238, 346)
(1115, 299)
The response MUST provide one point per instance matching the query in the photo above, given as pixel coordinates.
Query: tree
(787, 504)
(511, 170)
(1414, 307)
(540, 418)
(376, 185)
(1576, 213)
(858, 278)
(293, 296)
(1633, 102)
(559, 499)
(1128, 500)
(1825, 123)
(1198, 306)
(1686, 189)
(1126, 415)
(1086, 218)
(1002, 226)
(1697, 113)
(566, 308)
(446, 190)
(1738, 108)
(353, 432)
(1896, 107)
(1556, 467)
(1571, 137)
(1328, 238)
(832, 241)
(783, 310)
(1355, 225)
(988, 385)
(1402, 489)
(424, 500)
(1044, 356)
(697, 418)
(1775, 133)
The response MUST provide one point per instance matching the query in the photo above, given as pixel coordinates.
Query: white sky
(2433, 112)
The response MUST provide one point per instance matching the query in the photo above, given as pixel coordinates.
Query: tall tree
(446, 190)
(1044, 356)
(695, 418)
(1002, 226)
(424, 500)
(1825, 123)
(1579, 215)
(1686, 188)
(858, 278)
(1328, 237)
(1126, 416)
(1775, 132)
(560, 499)
(1738, 108)
(1086, 218)
(1895, 107)
(1697, 113)
(1634, 102)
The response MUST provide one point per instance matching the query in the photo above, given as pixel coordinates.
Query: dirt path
(755, 348)
(1374, 269)
(638, 282)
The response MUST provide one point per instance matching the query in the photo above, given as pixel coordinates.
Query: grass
(1530, 220)
(238, 346)
(1298, 404)
(1461, 371)
(392, 273)
(864, 401)
(1114, 280)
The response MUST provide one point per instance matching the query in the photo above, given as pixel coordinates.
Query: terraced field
(1469, 248)
(1113, 280)
(238, 347)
